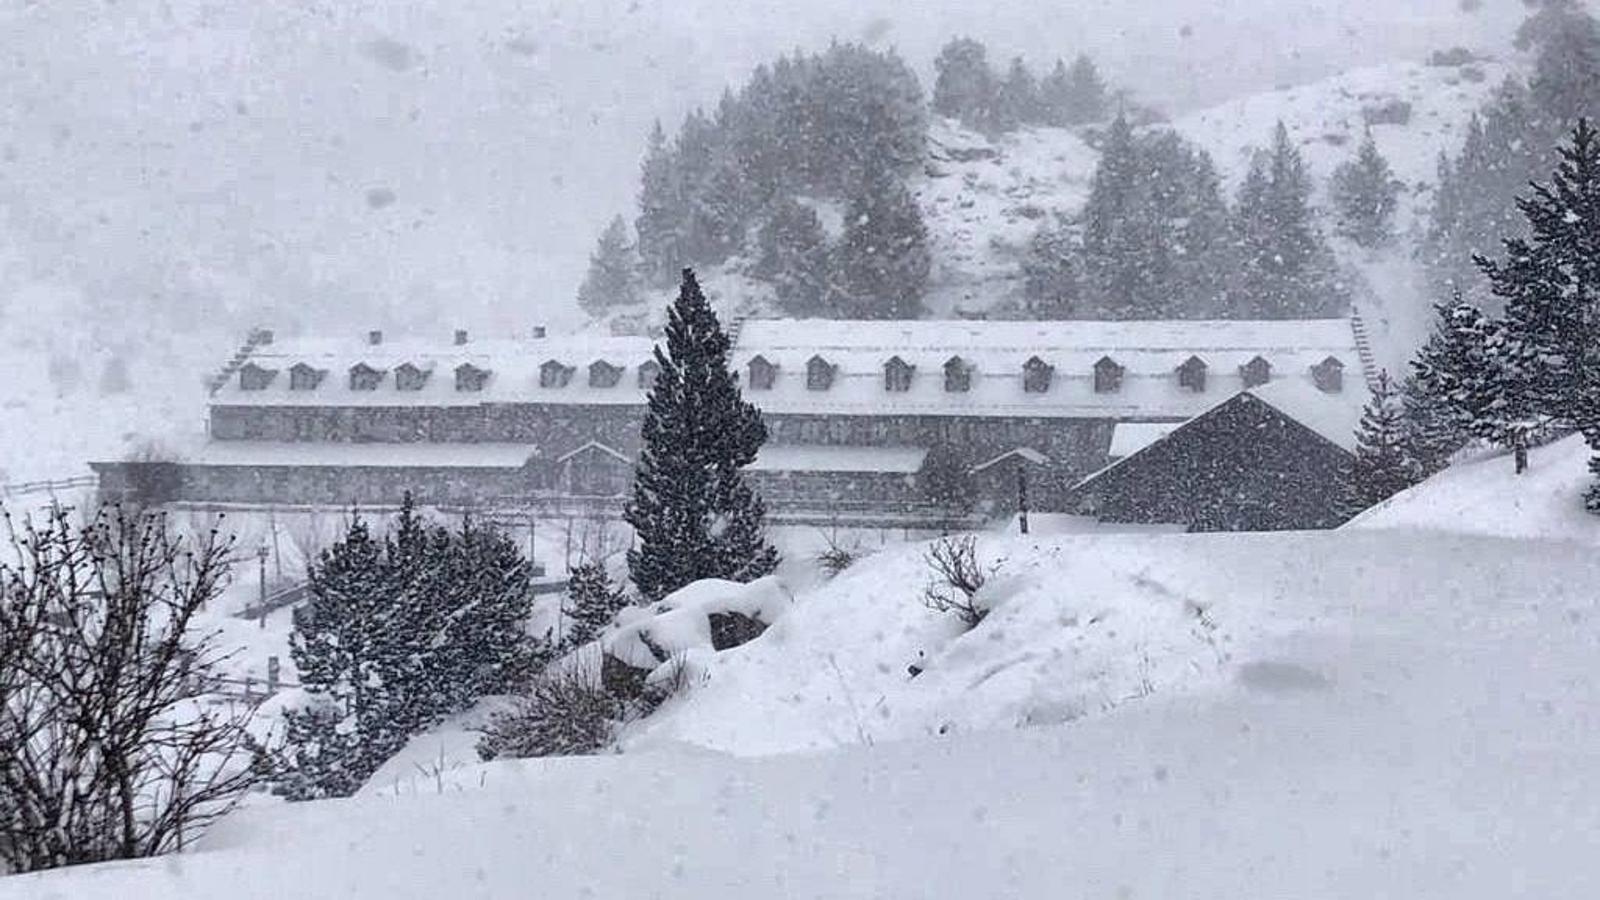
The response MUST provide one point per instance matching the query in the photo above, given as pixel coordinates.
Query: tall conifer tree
(694, 515)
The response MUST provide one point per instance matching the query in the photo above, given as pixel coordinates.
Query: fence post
(272, 676)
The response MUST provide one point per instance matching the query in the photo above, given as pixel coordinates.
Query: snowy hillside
(1418, 730)
(1486, 496)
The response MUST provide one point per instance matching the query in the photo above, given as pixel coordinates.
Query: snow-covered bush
(959, 577)
(567, 712)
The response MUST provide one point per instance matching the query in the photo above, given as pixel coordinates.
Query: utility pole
(261, 557)
(1022, 497)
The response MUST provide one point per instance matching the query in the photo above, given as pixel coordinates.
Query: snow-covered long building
(852, 408)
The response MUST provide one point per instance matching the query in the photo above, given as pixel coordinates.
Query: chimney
(374, 338)
(538, 331)
(264, 336)
(461, 337)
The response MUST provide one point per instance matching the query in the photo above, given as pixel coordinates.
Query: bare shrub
(106, 752)
(837, 556)
(567, 712)
(959, 576)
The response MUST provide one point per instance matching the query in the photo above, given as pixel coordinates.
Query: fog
(348, 162)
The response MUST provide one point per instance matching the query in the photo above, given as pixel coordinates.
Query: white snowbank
(1486, 496)
(680, 623)
(1411, 716)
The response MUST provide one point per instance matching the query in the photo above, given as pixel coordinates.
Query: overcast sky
(351, 162)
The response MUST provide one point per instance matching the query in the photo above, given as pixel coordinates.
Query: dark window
(1107, 376)
(1192, 375)
(957, 376)
(305, 378)
(470, 378)
(1256, 372)
(410, 378)
(762, 374)
(1037, 375)
(1329, 375)
(365, 378)
(604, 375)
(648, 373)
(897, 375)
(554, 374)
(819, 374)
(254, 378)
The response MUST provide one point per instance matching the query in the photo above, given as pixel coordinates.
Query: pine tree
(1087, 98)
(595, 602)
(483, 647)
(1382, 466)
(1474, 372)
(1051, 283)
(612, 280)
(945, 481)
(1285, 269)
(1433, 430)
(964, 88)
(1115, 267)
(1550, 283)
(883, 261)
(792, 254)
(1566, 79)
(344, 644)
(1017, 102)
(661, 209)
(692, 512)
(1365, 195)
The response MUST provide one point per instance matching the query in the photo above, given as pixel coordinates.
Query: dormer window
(1329, 375)
(1192, 375)
(603, 374)
(957, 376)
(897, 375)
(762, 374)
(1107, 376)
(648, 373)
(819, 374)
(303, 377)
(364, 377)
(408, 377)
(555, 374)
(1255, 373)
(1037, 375)
(255, 378)
(471, 378)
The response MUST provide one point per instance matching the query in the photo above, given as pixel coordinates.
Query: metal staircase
(1369, 361)
(252, 342)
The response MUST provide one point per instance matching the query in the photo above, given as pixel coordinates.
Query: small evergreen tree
(661, 209)
(945, 481)
(1051, 283)
(612, 280)
(883, 260)
(595, 602)
(1087, 97)
(1017, 102)
(692, 512)
(1365, 196)
(1382, 466)
(793, 256)
(964, 87)
(613, 273)
(1286, 271)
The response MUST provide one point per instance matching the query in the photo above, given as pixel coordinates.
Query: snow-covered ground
(1412, 716)
(1391, 709)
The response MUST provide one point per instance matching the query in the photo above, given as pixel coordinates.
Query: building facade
(851, 407)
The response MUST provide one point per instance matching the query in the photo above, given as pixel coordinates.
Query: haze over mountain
(354, 162)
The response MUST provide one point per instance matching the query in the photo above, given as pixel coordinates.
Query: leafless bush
(567, 712)
(837, 557)
(105, 751)
(959, 576)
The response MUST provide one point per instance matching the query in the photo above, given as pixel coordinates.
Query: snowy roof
(1027, 454)
(1131, 437)
(347, 455)
(998, 352)
(788, 458)
(513, 366)
(1332, 416)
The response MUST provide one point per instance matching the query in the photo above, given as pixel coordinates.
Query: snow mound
(680, 623)
(1486, 496)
